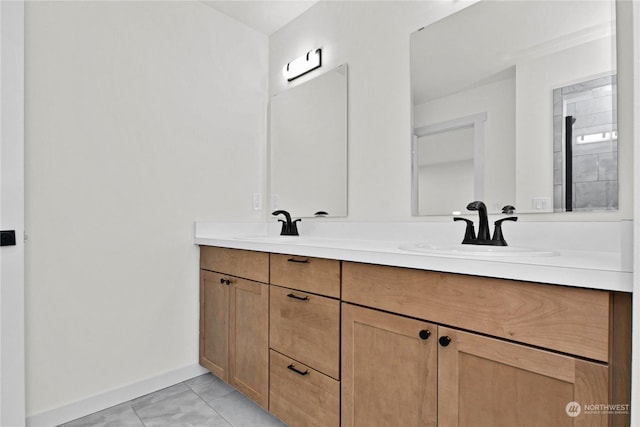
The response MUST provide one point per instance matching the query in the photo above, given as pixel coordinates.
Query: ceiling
(265, 16)
(452, 54)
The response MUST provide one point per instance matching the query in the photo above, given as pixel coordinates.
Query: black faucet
(289, 228)
(483, 237)
(483, 226)
(498, 238)
(469, 233)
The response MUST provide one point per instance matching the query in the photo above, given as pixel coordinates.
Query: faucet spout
(483, 227)
(286, 214)
(289, 227)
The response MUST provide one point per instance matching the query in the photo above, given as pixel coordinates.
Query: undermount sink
(475, 250)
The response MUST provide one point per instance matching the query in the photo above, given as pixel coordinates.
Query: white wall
(12, 352)
(141, 117)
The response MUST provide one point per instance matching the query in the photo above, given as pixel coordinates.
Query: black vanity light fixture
(302, 65)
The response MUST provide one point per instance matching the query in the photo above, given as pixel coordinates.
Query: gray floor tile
(182, 410)
(158, 396)
(117, 416)
(242, 412)
(209, 387)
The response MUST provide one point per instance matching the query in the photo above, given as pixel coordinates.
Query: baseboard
(113, 397)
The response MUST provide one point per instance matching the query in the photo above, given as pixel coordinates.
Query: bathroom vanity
(336, 341)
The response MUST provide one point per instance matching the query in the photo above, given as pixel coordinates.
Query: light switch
(541, 203)
(257, 201)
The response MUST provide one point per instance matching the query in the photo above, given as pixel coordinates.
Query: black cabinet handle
(293, 368)
(294, 296)
(299, 261)
(225, 282)
(444, 341)
(425, 334)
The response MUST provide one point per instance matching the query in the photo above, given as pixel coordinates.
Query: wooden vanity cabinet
(403, 371)
(234, 319)
(549, 346)
(324, 343)
(305, 341)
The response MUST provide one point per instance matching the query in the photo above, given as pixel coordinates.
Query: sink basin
(476, 250)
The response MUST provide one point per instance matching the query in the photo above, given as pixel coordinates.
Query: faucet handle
(509, 218)
(508, 209)
(498, 238)
(283, 230)
(469, 232)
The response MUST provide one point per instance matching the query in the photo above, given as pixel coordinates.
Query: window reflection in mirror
(506, 58)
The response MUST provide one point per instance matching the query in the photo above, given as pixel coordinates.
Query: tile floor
(198, 402)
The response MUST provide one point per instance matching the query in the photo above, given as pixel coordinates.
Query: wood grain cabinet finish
(314, 275)
(234, 326)
(306, 327)
(395, 374)
(214, 324)
(305, 340)
(561, 318)
(576, 346)
(302, 396)
(236, 262)
(489, 382)
(389, 370)
(365, 345)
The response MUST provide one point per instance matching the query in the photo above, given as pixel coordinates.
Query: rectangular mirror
(525, 66)
(308, 153)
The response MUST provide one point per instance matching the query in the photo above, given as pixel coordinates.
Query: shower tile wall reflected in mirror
(586, 155)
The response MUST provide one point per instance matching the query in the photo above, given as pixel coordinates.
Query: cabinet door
(249, 339)
(389, 365)
(214, 324)
(489, 382)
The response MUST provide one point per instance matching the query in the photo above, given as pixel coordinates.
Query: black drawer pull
(294, 296)
(226, 281)
(299, 261)
(293, 368)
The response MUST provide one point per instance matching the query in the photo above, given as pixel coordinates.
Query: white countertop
(596, 269)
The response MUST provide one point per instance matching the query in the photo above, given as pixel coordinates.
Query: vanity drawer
(315, 275)
(569, 320)
(236, 262)
(301, 396)
(307, 328)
